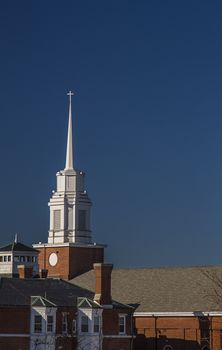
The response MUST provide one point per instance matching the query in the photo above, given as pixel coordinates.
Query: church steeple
(70, 250)
(69, 148)
(70, 205)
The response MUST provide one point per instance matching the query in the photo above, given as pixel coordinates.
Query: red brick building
(175, 308)
(49, 314)
(157, 309)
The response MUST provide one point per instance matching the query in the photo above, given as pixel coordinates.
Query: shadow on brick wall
(143, 343)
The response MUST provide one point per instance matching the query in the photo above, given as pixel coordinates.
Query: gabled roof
(16, 291)
(17, 247)
(40, 301)
(174, 289)
(86, 303)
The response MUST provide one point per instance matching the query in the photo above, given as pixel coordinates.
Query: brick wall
(14, 343)
(111, 321)
(72, 261)
(116, 344)
(14, 320)
(186, 333)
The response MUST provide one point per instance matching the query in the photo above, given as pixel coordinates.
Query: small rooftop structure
(14, 254)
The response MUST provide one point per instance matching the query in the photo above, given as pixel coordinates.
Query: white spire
(69, 149)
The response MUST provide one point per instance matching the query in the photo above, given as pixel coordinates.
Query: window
(9, 258)
(22, 258)
(96, 324)
(122, 324)
(5, 258)
(33, 259)
(82, 220)
(16, 258)
(74, 326)
(38, 324)
(84, 324)
(57, 219)
(1, 258)
(49, 324)
(64, 323)
(28, 258)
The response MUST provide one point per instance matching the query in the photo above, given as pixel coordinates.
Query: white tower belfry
(70, 205)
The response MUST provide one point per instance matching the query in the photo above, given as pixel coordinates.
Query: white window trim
(82, 332)
(52, 331)
(124, 317)
(99, 318)
(34, 324)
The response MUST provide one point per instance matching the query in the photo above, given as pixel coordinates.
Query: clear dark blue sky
(147, 122)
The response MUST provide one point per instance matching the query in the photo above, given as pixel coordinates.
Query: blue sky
(147, 122)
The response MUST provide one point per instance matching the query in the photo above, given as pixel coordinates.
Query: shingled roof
(15, 291)
(17, 247)
(179, 289)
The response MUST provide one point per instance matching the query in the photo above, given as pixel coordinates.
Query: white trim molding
(119, 336)
(178, 314)
(57, 245)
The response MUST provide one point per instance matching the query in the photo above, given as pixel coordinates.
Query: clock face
(53, 259)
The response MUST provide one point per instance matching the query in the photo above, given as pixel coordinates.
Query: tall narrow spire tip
(69, 149)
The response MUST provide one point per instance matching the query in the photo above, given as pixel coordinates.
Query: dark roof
(15, 291)
(179, 289)
(40, 301)
(17, 247)
(87, 303)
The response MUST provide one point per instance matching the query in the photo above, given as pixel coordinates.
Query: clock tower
(70, 250)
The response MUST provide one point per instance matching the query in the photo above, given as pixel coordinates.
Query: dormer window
(49, 324)
(96, 324)
(84, 324)
(37, 324)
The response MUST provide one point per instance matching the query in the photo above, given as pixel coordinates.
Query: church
(65, 293)
(69, 250)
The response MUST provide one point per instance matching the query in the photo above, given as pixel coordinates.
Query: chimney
(103, 283)
(25, 271)
(43, 273)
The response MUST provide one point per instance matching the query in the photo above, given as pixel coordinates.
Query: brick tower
(70, 250)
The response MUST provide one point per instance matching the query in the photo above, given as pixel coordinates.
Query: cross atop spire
(69, 149)
(70, 94)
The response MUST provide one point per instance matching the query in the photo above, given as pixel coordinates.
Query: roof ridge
(163, 268)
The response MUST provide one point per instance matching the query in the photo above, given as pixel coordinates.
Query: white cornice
(178, 314)
(57, 245)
